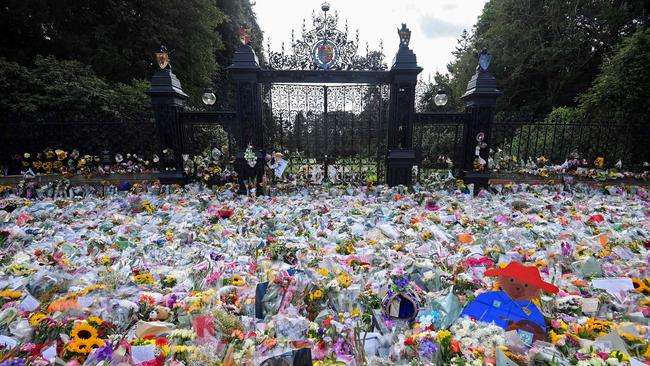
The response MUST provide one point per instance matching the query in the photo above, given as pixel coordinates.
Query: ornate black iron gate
(328, 132)
(335, 114)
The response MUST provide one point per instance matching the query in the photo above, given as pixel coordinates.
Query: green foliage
(554, 138)
(55, 85)
(118, 38)
(544, 52)
(426, 102)
(622, 83)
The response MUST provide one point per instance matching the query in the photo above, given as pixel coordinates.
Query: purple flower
(104, 353)
(171, 301)
(427, 348)
(402, 282)
(14, 362)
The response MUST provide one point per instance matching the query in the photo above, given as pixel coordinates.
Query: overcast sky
(435, 24)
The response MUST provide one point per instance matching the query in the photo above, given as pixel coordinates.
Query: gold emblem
(162, 58)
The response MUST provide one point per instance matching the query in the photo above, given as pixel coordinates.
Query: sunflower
(344, 280)
(83, 331)
(316, 295)
(144, 279)
(95, 320)
(36, 319)
(78, 346)
(94, 343)
(60, 154)
(641, 286)
(13, 295)
(237, 280)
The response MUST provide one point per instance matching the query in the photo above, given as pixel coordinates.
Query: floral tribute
(324, 275)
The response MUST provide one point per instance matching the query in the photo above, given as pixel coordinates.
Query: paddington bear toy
(512, 308)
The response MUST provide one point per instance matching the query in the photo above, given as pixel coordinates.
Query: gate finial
(404, 36)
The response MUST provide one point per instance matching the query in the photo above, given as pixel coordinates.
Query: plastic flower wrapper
(291, 325)
(275, 292)
(44, 283)
(448, 309)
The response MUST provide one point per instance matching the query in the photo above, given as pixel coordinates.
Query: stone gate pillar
(168, 101)
(480, 100)
(404, 72)
(245, 73)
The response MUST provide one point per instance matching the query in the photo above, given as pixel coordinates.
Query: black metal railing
(89, 138)
(438, 140)
(207, 130)
(519, 142)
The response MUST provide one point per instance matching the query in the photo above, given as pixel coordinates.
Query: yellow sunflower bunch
(344, 280)
(11, 294)
(36, 319)
(84, 339)
(143, 279)
(316, 295)
(237, 280)
(85, 291)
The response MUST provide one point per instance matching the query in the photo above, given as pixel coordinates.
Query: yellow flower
(83, 331)
(355, 312)
(95, 320)
(599, 162)
(237, 280)
(344, 280)
(94, 343)
(91, 288)
(78, 346)
(631, 337)
(165, 350)
(144, 279)
(443, 334)
(148, 207)
(554, 337)
(323, 272)
(36, 319)
(620, 356)
(13, 295)
(316, 295)
(60, 154)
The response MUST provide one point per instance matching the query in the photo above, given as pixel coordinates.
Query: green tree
(53, 85)
(544, 52)
(118, 38)
(621, 85)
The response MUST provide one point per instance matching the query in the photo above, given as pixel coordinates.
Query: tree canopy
(545, 53)
(117, 38)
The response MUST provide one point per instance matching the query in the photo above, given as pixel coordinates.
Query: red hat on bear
(529, 275)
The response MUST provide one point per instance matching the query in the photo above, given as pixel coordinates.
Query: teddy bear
(512, 307)
(160, 313)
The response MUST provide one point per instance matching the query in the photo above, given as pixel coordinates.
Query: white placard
(29, 303)
(49, 354)
(140, 354)
(8, 341)
(281, 167)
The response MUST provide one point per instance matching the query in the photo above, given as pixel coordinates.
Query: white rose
(612, 361)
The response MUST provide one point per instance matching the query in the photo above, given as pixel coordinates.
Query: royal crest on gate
(325, 54)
